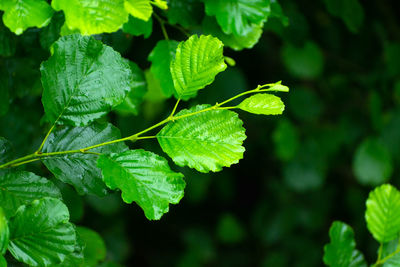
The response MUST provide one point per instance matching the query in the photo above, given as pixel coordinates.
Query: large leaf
(372, 163)
(383, 213)
(264, 104)
(145, 178)
(4, 232)
(198, 60)
(137, 91)
(206, 141)
(40, 234)
(83, 80)
(20, 187)
(22, 14)
(161, 58)
(80, 169)
(341, 251)
(92, 16)
(238, 16)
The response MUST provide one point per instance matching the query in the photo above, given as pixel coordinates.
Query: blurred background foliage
(338, 138)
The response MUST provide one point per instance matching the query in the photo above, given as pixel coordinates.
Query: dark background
(275, 207)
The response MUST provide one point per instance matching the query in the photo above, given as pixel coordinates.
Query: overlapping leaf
(145, 178)
(264, 104)
(21, 187)
(83, 80)
(185, 12)
(383, 213)
(198, 60)
(161, 58)
(92, 16)
(94, 248)
(40, 234)
(341, 251)
(206, 141)
(79, 169)
(22, 14)
(138, 27)
(238, 16)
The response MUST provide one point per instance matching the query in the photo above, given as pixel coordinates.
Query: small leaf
(341, 251)
(264, 104)
(94, 248)
(198, 60)
(4, 233)
(238, 16)
(80, 169)
(22, 14)
(161, 57)
(145, 178)
(383, 213)
(92, 16)
(40, 234)
(372, 163)
(20, 187)
(162, 4)
(136, 94)
(206, 141)
(83, 80)
(140, 9)
(138, 27)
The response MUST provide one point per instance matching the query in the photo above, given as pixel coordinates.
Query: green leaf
(76, 258)
(3, 262)
(80, 169)
(372, 163)
(185, 12)
(94, 248)
(20, 187)
(22, 14)
(138, 27)
(206, 141)
(264, 104)
(305, 62)
(286, 140)
(93, 80)
(40, 234)
(161, 57)
(145, 178)
(230, 230)
(341, 251)
(383, 213)
(136, 94)
(238, 16)
(4, 232)
(198, 60)
(210, 26)
(350, 11)
(393, 261)
(140, 9)
(92, 16)
(6, 150)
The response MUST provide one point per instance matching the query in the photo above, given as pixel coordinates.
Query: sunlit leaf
(22, 14)
(264, 104)
(198, 60)
(206, 141)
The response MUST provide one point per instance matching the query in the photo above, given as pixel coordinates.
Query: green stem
(39, 155)
(382, 261)
(47, 136)
(162, 24)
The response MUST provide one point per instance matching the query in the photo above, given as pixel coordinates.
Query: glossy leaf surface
(206, 141)
(145, 178)
(264, 104)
